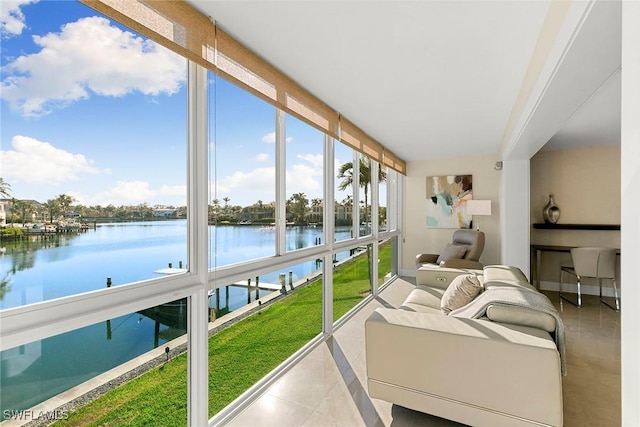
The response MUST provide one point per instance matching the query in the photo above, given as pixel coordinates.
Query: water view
(44, 268)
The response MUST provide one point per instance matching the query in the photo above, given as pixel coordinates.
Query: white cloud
(304, 179)
(316, 160)
(262, 157)
(173, 190)
(127, 192)
(37, 162)
(11, 17)
(245, 188)
(270, 138)
(89, 57)
(136, 192)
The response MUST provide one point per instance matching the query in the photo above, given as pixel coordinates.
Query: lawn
(239, 356)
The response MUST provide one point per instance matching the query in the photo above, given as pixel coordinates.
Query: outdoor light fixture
(478, 207)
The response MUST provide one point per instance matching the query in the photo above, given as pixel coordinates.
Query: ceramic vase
(551, 211)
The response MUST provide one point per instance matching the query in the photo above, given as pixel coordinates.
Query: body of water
(41, 269)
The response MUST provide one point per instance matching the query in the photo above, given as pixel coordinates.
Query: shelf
(546, 226)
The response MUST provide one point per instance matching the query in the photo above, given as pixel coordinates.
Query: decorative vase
(551, 212)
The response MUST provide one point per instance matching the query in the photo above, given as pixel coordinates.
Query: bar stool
(598, 263)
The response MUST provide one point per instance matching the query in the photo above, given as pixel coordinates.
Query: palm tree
(297, 207)
(25, 208)
(5, 188)
(13, 209)
(345, 172)
(53, 207)
(65, 201)
(226, 205)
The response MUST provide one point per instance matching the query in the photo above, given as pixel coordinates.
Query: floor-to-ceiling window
(94, 137)
(343, 192)
(304, 164)
(124, 136)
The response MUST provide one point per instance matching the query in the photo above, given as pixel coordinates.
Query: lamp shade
(479, 207)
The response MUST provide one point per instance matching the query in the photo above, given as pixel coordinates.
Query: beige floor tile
(328, 388)
(270, 411)
(308, 383)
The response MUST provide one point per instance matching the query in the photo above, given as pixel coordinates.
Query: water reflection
(39, 370)
(20, 254)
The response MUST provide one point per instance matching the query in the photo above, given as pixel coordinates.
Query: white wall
(630, 183)
(514, 229)
(420, 239)
(585, 183)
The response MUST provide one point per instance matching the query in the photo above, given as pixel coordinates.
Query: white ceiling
(428, 79)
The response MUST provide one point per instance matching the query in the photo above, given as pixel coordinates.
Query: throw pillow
(462, 290)
(451, 252)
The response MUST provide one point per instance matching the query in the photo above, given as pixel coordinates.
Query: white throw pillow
(462, 290)
(452, 252)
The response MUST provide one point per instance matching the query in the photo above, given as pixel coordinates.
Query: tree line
(297, 206)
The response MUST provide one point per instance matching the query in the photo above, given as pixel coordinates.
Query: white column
(198, 189)
(328, 227)
(514, 214)
(281, 186)
(630, 189)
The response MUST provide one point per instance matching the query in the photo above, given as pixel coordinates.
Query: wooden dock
(261, 285)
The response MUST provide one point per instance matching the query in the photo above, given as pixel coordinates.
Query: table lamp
(478, 207)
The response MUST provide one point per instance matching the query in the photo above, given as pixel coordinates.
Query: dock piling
(257, 287)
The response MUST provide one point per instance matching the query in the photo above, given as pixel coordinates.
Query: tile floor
(328, 387)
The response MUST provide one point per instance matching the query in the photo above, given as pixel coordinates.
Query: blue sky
(95, 111)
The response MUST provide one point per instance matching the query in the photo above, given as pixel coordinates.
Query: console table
(537, 250)
(548, 226)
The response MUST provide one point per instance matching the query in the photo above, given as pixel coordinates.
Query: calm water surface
(44, 269)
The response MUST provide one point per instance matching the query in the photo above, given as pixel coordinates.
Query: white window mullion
(328, 225)
(375, 196)
(399, 215)
(355, 186)
(373, 206)
(198, 245)
(281, 189)
(329, 205)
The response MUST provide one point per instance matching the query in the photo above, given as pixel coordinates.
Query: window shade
(181, 28)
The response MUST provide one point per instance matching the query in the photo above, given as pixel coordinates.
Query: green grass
(239, 356)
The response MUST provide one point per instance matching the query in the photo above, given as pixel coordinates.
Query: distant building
(165, 213)
(37, 214)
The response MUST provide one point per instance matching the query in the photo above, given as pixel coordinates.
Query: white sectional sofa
(501, 369)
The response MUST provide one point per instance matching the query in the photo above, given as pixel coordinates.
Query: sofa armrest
(464, 264)
(427, 259)
(506, 369)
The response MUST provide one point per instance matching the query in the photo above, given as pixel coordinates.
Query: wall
(585, 183)
(420, 239)
(630, 178)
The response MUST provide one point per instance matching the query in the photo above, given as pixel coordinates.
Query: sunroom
(299, 136)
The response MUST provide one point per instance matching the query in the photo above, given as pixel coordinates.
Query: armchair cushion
(451, 252)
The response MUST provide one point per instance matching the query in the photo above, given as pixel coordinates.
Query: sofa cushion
(440, 277)
(462, 290)
(423, 296)
(503, 275)
(452, 252)
(521, 316)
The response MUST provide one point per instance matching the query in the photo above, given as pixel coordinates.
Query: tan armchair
(463, 252)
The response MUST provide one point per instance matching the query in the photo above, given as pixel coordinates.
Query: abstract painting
(446, 199)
